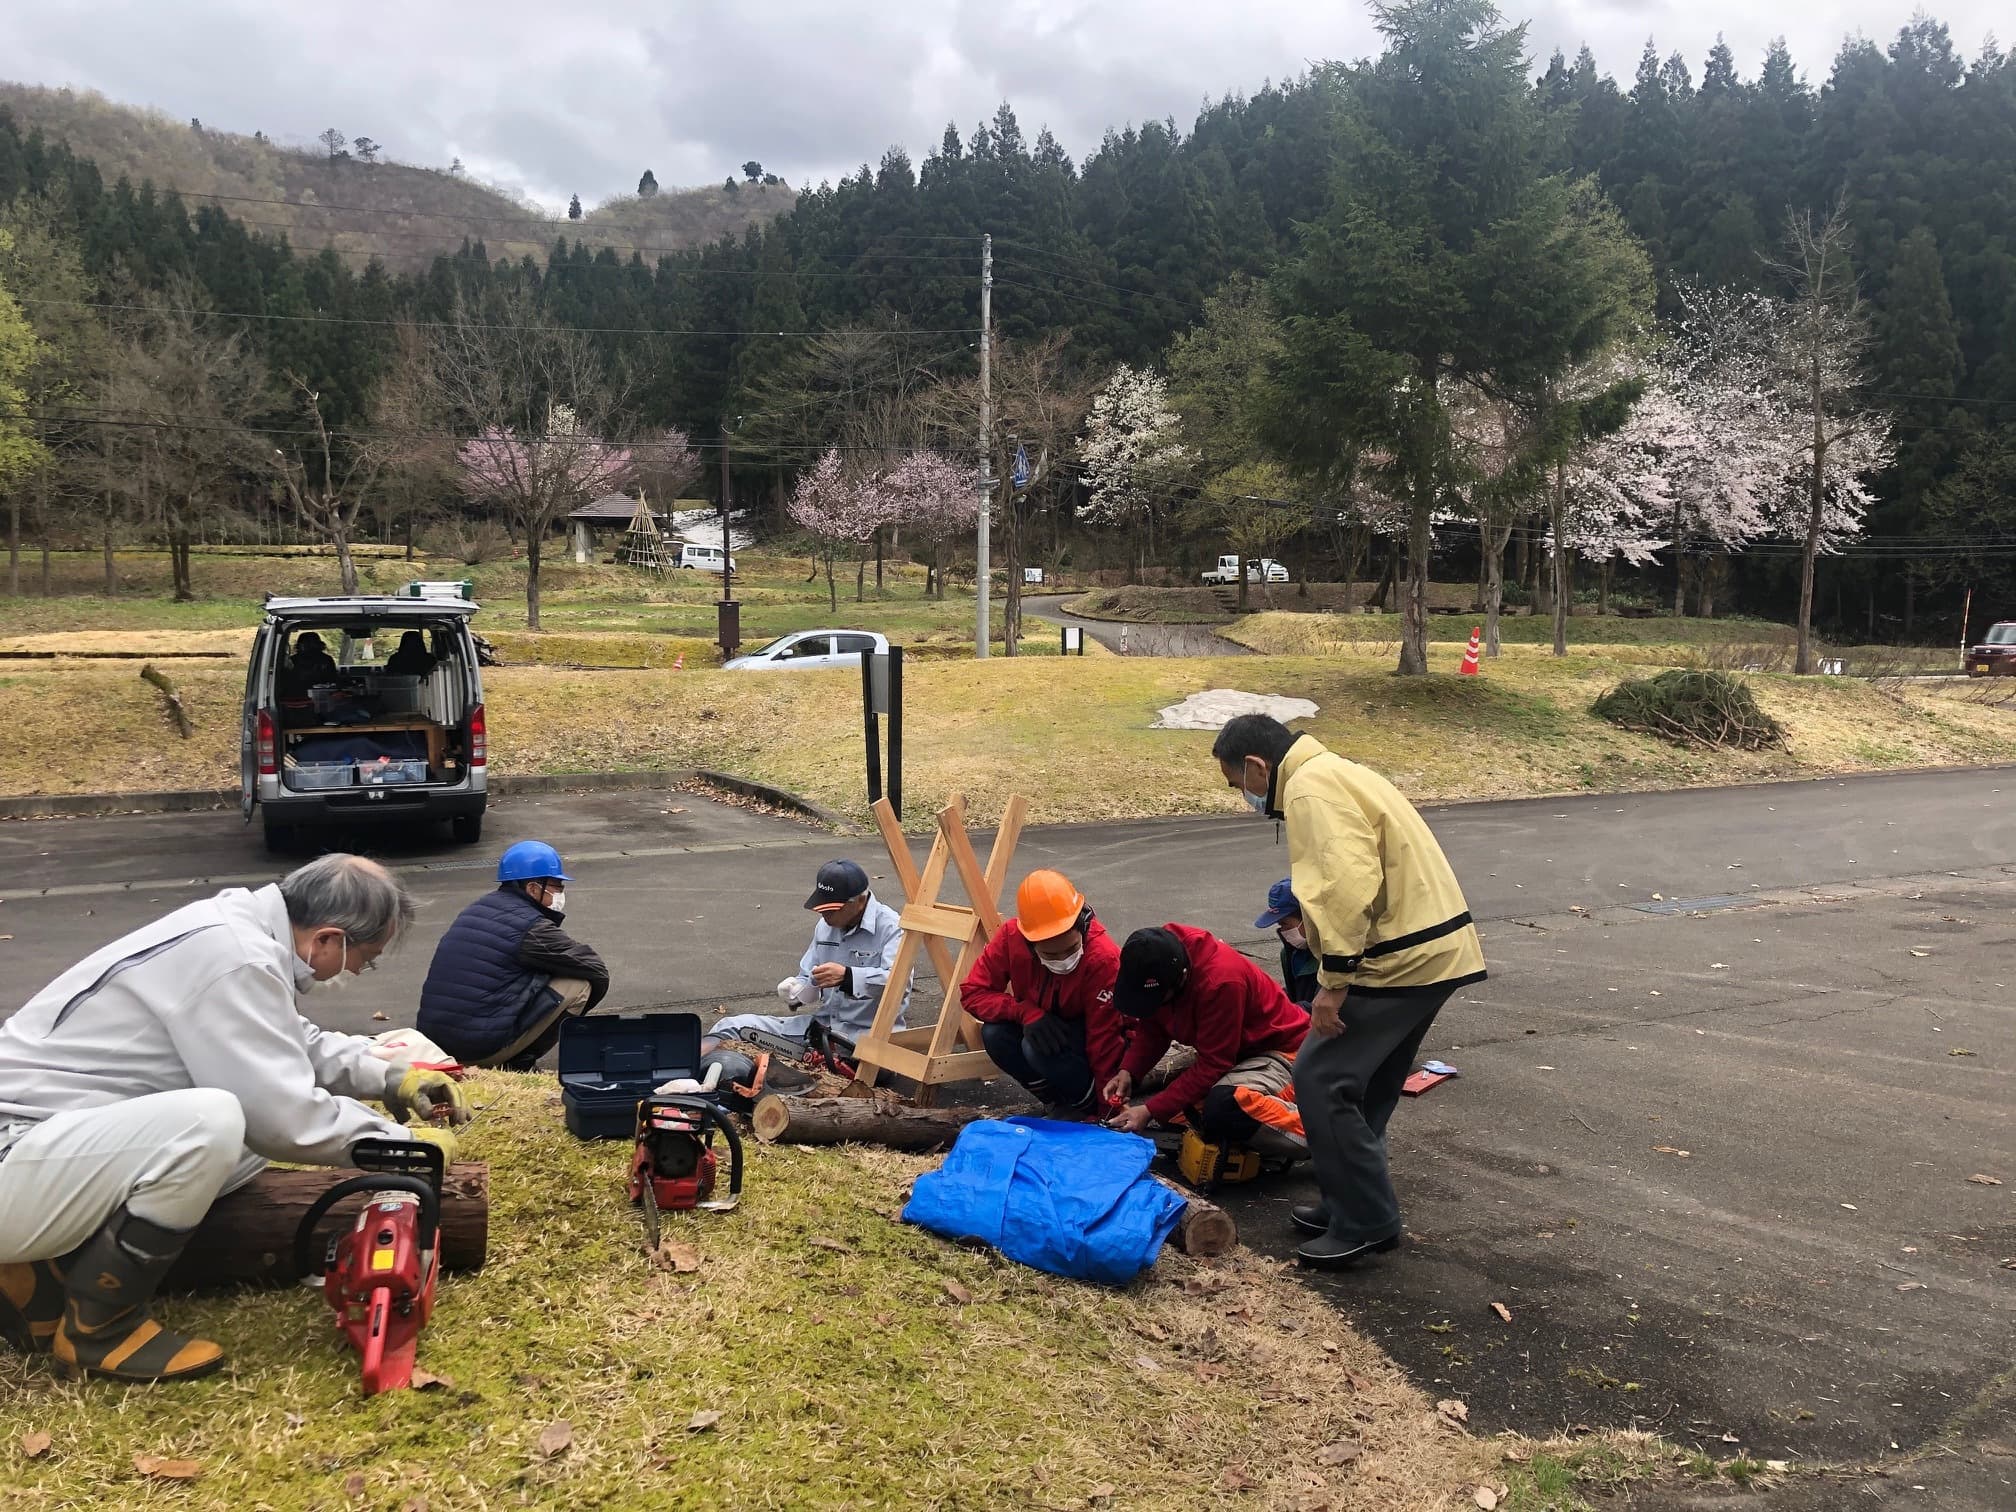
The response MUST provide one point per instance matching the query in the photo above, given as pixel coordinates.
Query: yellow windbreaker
(1382, 908)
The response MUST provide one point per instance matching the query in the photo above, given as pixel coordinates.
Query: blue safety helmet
(1281, 905)
(530, 861)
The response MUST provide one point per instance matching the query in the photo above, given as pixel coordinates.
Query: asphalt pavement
(1128, 638)
(1740, 1052)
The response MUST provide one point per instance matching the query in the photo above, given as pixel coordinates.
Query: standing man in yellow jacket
(1393, 942)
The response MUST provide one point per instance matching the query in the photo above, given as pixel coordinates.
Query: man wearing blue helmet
(506, 975)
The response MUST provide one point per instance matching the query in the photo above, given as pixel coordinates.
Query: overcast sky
(582, 97)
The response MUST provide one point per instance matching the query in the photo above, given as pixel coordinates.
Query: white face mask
(558, 902)
(304, 974)
(1295, 938)
(1063, 965)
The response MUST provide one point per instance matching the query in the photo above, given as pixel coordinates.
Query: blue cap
(530, 861)
(1281, 905)
(838, 883)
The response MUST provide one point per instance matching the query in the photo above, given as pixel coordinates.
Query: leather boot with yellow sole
(107, 1329)
(31, 1305)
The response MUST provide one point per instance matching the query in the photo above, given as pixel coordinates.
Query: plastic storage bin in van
(392, 696)
(388, 773)
(314, 776)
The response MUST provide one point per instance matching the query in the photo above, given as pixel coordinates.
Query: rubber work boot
(106, 1328)
(31, 1305)
(1310, 1217)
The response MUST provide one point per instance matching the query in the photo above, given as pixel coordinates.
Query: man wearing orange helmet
(1043, 992)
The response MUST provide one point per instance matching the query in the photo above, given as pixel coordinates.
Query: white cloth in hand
(798, 992)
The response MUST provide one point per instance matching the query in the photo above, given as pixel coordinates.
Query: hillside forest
(1718, 334)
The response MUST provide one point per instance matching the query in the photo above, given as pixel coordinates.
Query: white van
(364, 710)
(704, 558)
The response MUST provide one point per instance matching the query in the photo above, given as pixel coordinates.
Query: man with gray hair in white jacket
(170, 1067)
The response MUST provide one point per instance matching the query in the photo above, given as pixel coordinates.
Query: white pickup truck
(1258, 570)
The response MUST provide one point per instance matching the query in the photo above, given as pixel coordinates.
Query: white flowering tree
(1131, 452)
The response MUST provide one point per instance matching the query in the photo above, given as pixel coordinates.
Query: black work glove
(1050, 1035)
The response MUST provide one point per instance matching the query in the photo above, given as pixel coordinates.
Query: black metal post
(868, 720)
(896, 730)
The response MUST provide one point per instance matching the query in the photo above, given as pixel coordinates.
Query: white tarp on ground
(1216, 707)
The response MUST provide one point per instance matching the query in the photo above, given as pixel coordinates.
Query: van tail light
(264, 744)
(479, 739)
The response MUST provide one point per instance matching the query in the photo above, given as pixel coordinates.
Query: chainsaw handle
(710, 1113)
(430, 1212)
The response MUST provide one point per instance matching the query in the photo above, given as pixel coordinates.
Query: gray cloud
(582, 99)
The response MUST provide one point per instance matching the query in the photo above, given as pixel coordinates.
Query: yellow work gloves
(427, 1097)
(434, 1135)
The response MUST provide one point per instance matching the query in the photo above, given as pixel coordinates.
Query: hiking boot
(31, 1305)
(106, 1329)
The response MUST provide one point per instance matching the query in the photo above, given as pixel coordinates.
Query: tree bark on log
(248, 1235)
(857, 1120)
(176, 710)
(1205, 1229)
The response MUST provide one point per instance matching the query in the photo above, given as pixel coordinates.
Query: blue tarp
(1069, 1198)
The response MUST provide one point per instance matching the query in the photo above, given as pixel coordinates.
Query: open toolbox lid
(611, 1054)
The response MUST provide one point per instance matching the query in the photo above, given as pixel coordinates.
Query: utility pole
(727, 503)
(980, 625)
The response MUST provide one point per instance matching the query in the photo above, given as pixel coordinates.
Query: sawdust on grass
(845, 1372)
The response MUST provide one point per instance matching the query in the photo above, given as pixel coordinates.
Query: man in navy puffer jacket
(505, 975)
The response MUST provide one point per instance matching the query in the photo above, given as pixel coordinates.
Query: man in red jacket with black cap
(1180, 985)
(1043, 992)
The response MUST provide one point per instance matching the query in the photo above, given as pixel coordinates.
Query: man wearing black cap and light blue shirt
(1283, 915)
(840, 979)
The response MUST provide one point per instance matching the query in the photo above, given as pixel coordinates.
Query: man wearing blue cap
(843, 971)
(1283, 915)
(505, 974)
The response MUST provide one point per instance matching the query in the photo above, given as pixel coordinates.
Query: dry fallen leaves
(1980, 1178)
(1147, 1362)
(1104, 1491)
(1504, 1312)
(353, 1485)
(838, 1246)
(673, 1256)
(1235, 1478)
(957, 1292)
(1340, 1453)
(1486, 1498)
(381, 1018)
(1906, 1286)
(702, 1421)
(166, 1469)
(426, 1380)
(1453, 1412)
(1672, 1150)
(35, 1445)
(555, 1437)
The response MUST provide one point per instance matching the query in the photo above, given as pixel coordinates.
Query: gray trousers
(1346, 1087)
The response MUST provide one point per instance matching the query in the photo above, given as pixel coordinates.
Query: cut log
(248, 1235)
(176, 711)
(858, 1120)
(1205, 1229)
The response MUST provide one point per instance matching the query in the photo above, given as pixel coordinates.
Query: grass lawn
(1073, 735)
(852, 1362)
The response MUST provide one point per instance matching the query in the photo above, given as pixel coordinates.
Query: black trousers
(1347, 1086)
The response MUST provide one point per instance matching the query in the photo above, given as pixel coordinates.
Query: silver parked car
(811, 648)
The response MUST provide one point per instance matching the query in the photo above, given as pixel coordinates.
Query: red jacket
(1009, 985)
(1229, 1009)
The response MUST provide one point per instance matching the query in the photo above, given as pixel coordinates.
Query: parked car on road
(1258, 570)
(811, 648)
(364, 709)
(1994, 655)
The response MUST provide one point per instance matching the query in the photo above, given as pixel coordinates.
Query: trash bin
(728, 619)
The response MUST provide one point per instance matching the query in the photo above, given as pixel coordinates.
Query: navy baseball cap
(1152, 968)
(1281, 905)
(838, 883)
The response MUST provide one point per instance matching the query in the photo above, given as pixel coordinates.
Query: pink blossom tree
(534, 480)
(838, 511)
(935, 498)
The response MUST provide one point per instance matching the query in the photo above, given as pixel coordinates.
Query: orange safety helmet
(1047, 905)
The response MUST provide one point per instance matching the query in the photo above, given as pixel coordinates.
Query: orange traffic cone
(1469, 667)
(679, 662)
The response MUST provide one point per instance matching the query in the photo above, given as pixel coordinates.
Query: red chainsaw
(675, 1167)
(379, 1275)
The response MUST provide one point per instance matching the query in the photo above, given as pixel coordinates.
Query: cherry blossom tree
(535, 479)
(1131, 452)
(936, 499)
(837, 511)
